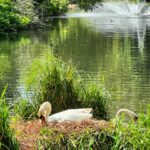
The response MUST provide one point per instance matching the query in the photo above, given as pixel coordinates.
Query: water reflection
(112, 50)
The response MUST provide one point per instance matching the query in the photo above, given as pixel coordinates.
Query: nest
(28, 132)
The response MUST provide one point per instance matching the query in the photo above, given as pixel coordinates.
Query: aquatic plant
(95, 96)
(7, 139)
(24, 108)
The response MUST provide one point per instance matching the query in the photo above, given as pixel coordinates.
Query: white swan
(76, 115)
(128, 112)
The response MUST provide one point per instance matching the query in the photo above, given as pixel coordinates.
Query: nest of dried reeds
(28, 133)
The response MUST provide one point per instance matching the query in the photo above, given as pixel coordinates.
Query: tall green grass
(59, 83)
(7, 139)
(133, 135)
(89, 139)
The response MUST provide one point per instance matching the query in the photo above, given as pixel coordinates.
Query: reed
(7, 139)
(90, 139)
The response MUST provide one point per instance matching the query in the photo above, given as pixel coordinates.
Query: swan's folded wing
(71, 116)
(80, 110)
(77, 117)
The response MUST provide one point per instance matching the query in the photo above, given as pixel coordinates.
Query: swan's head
(136, 118)
(44, 111)
(129, 112)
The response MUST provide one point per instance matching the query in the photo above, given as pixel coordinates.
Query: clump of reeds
(95, 96)
(60, 83)
(7, 139)
(25, 109)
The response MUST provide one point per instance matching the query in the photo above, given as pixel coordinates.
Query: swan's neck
(128, 112)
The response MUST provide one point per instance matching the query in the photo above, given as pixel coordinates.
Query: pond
(112, 50)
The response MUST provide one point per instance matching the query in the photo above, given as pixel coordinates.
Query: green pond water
(112, 50)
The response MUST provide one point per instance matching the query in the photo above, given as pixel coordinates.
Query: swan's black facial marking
(43, 119)
(135, 118)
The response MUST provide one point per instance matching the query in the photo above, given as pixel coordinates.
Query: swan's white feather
(69, 115)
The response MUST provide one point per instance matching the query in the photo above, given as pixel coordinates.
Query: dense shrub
(95, 96)
(18, 14)
(26, 8)
(50, 8)
(86, 4)
(7, 139)
(10, 20)
(25, 109)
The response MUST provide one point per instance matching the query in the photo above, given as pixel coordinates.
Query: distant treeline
(20, 14)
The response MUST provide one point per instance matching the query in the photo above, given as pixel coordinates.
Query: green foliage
(18, 14)
(7, 139)
(10, 20)
(87, 4)
(51, 8)
(26, 8)
(133, 136)
(53, 81)
(97, 97)
(25, 109)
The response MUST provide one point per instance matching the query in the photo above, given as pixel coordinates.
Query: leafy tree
(86, 4)
(10, 20)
